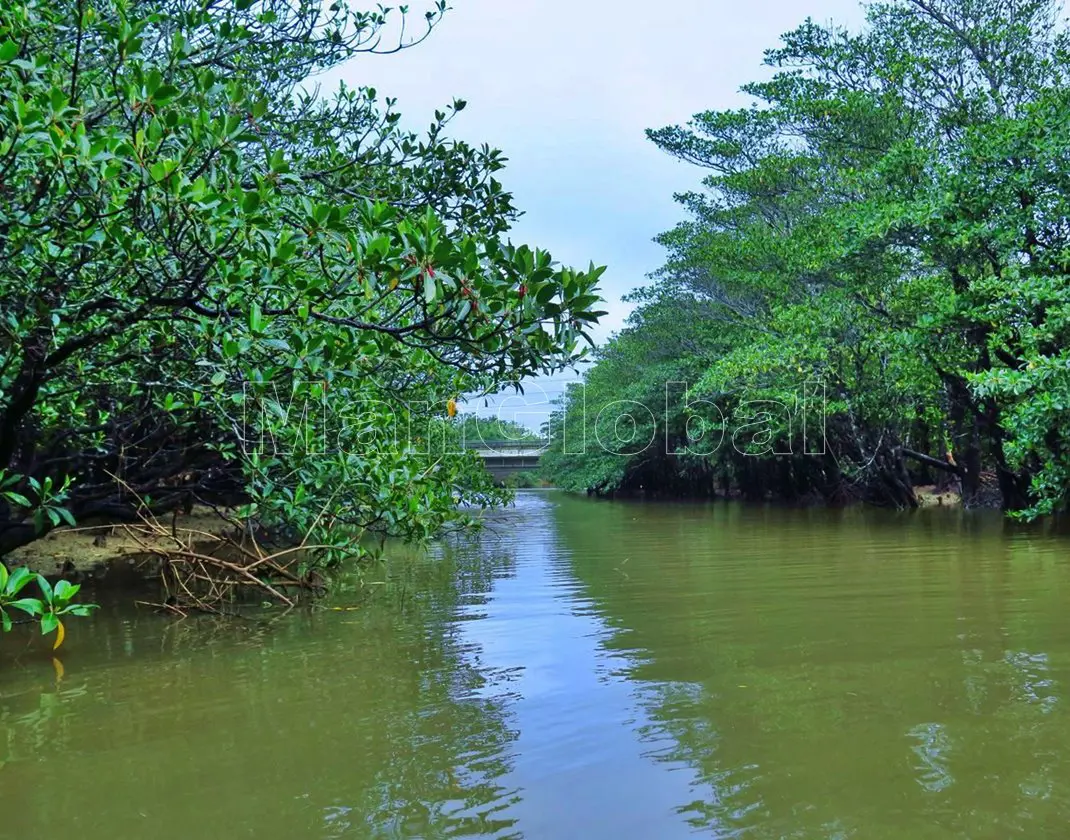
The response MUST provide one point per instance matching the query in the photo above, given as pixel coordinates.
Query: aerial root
(203, 571)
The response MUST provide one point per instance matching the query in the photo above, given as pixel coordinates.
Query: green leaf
(546, 294)
(49, 622)
(32, 606)
(18, 579)
(6, 621)
(17, 498)
(164, 93)
(65, 590)
(8, 50)
(81, 610)
(45, 587)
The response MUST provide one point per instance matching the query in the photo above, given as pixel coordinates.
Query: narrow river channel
(582, 670)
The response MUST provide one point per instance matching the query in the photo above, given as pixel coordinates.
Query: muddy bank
(928, 495)
(120, 551)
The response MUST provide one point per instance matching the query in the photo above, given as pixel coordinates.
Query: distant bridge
(506, 457)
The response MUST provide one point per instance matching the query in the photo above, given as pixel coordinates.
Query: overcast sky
(566, 88)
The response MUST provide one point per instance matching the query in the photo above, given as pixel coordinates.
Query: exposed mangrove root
(202, 571)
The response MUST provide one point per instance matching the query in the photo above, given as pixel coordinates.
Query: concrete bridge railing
(508, 448)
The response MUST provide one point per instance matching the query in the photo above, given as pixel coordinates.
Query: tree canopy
(888, 224)
(222, 286)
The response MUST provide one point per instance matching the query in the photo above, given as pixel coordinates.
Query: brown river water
(581, 669)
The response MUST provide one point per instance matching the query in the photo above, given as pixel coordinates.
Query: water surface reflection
(588, 670)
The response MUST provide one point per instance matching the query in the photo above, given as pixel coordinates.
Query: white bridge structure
(505, 457)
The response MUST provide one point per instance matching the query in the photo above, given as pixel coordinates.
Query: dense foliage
(219, 286)
(889, 223)
(481, 430)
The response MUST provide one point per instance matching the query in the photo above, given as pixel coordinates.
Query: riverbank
(117, 550)
(130, 551)
(927, 495)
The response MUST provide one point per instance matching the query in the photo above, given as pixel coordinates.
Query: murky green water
(584, 670)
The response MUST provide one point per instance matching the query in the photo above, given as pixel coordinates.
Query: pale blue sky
(567, 89)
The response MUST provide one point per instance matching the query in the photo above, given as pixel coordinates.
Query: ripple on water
(586, 669)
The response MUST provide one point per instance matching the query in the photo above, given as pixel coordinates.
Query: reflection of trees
(331, 723)
(838, 674)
